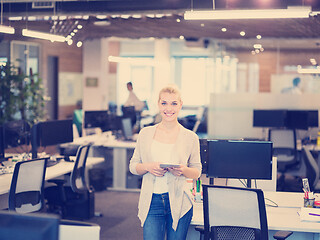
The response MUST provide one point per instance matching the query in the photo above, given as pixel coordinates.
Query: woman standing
(165, 205)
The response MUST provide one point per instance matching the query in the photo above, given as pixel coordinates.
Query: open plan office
(250, 83)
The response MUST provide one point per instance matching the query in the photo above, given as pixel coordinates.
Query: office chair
(288, 160)
(130, 112)
(312, 169)
(235, 213)
(284, 148)
(77, 200)
(26, 193)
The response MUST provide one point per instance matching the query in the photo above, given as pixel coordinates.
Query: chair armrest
(281, 235)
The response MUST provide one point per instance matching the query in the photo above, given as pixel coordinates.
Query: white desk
(59, 169)
(285, 217)
(120, 165)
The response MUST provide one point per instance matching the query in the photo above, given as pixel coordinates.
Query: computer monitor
(16, 133)
(240, 159)
(127, 128)
(269, 118)
(297, 119)
(19, 226)
(313, 118)
(51, 133)
(96, 119)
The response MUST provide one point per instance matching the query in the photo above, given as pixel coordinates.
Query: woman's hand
(177, 171)
(155, 169)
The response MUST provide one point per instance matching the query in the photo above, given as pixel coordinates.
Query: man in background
(295, 89)
(133, 100)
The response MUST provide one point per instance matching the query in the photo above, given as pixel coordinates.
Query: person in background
(133, 100)
(166, 203)
(295, 89)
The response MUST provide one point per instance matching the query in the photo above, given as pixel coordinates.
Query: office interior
(225, 69)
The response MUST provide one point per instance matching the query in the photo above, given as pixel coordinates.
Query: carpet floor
(119, 219)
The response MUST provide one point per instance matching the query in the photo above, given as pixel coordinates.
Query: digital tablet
(168, 165)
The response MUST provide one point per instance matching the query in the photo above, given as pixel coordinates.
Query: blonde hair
(172, 89)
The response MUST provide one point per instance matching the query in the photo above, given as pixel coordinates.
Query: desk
(120, 164)
(285, 217)
(59, 169)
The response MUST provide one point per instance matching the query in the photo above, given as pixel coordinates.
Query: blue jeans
(159, 221)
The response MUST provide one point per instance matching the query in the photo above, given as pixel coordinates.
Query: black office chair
(284, 148)
(26, 193)
(235, 213)
(77, 200)
(130, 112)
(312, 169)
(288, 159)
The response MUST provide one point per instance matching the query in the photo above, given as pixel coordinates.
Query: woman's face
(169, 106)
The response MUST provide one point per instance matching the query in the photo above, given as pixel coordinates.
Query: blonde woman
(165, 204)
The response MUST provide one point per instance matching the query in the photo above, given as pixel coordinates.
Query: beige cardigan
(186, 151)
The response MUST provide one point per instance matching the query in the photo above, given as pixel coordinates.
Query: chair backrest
(284, 147)
(27, 186)
(312, 167)
(237, 212)
(78, 175)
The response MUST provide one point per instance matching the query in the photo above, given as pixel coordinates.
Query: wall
(70, 63)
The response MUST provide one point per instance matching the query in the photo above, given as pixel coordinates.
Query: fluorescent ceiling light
(45, 36)
(308, 70)
(6, 29)
(291, 12)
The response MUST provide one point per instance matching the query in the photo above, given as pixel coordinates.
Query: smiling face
(169, 106)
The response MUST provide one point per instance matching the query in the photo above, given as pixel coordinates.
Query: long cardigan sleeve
(187, 152)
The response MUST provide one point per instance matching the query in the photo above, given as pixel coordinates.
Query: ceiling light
(41, 35)
(258, 37)
(308, 70)
(257, 45)
(242, 33)
(178, 20)
(79, 44)
(223, 29)
(15, 18)
(290, 12)
(6, 29)
(202, 25)
(101, 17)
(79, 26)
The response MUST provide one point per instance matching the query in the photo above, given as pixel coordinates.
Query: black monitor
(16, 133)
(51, 133)
(313, 118)
(95, 119)
(269, 118)
(297, 119)
(240, 159)
(28, 226)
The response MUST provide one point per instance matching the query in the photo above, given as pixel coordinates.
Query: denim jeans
(159, 221)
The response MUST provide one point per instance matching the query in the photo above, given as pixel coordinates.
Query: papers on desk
(310, 214)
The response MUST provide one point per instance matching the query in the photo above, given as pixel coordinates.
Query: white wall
(230, 116)
(95, 65)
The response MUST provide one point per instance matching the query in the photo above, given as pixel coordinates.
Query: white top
(161, 152)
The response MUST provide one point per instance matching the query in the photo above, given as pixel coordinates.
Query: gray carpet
(119, 220)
